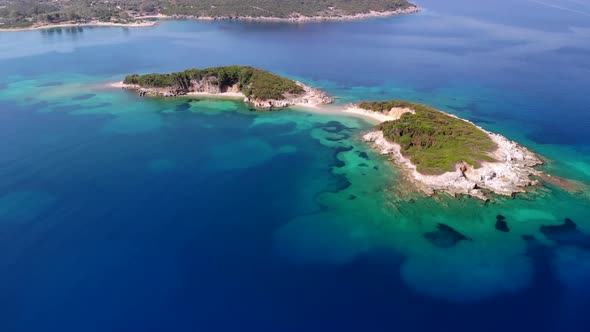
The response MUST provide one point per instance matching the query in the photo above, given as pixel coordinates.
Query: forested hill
(24, 13)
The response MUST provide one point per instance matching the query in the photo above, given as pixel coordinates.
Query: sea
(123, 213)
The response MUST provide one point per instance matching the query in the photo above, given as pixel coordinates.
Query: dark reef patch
(84, 96)
(568, 226)
(333, 127)
(338, 138)
(352, 197)
(363, 155)
(501, 224)
(183, 107)
(566, 234)
(363, 165)
(45, 85)
(338, 150)
(445, 236)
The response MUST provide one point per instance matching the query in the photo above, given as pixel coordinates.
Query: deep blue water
(119, 213)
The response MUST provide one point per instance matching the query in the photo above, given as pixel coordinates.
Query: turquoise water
(126, 213)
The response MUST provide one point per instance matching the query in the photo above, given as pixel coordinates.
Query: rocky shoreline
(311, 97)
(511, 173)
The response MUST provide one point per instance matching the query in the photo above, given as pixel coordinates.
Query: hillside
(26, 13)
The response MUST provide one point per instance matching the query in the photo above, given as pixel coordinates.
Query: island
(440, 152)
(260, 88)
(36, 14)
(436, 151)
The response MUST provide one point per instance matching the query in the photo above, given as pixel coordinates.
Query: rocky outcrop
(310, 97)
(209, 86)
(510, 174)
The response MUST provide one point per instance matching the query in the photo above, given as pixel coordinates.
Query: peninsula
(260, 88)
(37, 14)
(440, 152)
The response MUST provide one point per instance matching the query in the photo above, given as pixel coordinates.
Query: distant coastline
(144, 21)
(136, 24)
(295, 18)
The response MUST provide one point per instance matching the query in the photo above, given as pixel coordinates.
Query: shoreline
(142, 23)
(139, 24)
(292, 19)
(312, 98)
(394, 114)
(510, 174)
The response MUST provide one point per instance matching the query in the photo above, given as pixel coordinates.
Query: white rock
(509, 175)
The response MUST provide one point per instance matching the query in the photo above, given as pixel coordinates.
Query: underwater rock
(337, 151)
(501, 224)
(567, 227)
(445, 236)
(566, 233)
(352, 197)
(183, 107)
(333, 127)
(363, 155)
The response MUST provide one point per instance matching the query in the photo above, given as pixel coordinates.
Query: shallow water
(126, 213)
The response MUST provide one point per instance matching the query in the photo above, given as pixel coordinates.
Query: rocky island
(437, 151)
(38, 14)
(260, 88)
(440, 152)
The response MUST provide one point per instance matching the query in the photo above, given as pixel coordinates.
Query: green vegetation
(22, 13)
(434, 141)
(252, 82)
(279, 8)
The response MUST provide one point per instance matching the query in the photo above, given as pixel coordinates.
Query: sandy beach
(392, 115)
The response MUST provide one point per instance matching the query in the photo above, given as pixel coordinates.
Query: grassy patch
(434, 141)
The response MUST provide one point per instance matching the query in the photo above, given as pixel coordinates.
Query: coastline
(510, 174)
(312, 98)
(292, 19)
(142, 23)
(138, 24)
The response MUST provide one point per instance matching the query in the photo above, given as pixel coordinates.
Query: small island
(440, 152)
(260, 88)
(437, 151)
(39, 14)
